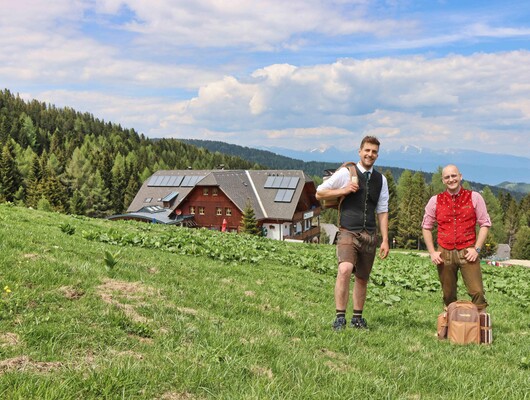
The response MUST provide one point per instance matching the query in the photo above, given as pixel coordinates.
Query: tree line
(72, 162)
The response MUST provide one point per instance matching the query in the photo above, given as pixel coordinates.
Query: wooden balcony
(305, 236)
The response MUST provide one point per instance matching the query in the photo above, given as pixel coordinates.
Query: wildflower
(6, 289)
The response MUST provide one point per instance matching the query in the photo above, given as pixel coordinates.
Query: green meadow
(94, 309)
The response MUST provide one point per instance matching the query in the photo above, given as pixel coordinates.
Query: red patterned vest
(456, 220)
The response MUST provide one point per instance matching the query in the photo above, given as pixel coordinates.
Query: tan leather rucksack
(460, 323)
(335, 202)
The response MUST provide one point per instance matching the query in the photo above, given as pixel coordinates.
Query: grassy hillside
(94, 309)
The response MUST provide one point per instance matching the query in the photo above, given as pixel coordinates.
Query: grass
(83, 318)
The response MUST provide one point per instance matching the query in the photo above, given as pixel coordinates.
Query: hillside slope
(98, 309)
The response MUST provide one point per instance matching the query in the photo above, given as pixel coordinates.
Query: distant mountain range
(490, 169)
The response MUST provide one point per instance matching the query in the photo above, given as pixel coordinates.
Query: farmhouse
(283, 201)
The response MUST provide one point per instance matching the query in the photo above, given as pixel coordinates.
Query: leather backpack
(335, 201)
(460, 323)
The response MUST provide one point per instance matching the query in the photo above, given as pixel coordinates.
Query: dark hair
(370, 139)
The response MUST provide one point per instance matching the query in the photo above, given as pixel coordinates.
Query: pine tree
(34, 190)
(77, 203)
(130, 192)
(411, 208)
(436, 186)
(495, 213)
(10, 177)
(28, 133)
(119, 184)
(96, 197)
(511, 221)
(521, 246)
(248, 221)
(404, 205)
(524, 209)
(55, 192)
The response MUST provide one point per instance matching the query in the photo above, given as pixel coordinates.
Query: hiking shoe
(359, 323)
(339, 324)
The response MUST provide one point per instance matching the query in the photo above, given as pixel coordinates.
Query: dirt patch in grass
(71, 293)
(178, 396)
(336, 361)
(115, 292)
(186, 310)
(9, 339)
(25, 364)
(31, 256)
(129, 353)
(262, 371)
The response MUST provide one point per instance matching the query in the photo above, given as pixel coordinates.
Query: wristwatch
(478, 249)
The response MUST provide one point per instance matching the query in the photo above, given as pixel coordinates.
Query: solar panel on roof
(175, 181)
(284, 184)
(281, 182)
(194, 180)
(284, 196)
(156, 181)
(164, 181)
(186, 181)
(268, 183)
(293, 183)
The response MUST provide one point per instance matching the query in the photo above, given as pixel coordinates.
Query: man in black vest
(363, 199)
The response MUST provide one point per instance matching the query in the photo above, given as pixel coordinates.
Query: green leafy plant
(111, 259)
(67, 228)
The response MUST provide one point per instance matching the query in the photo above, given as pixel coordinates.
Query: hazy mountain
(515, 187)
(491, 169)
(273, 160)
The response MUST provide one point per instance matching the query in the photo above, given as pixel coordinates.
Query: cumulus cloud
(448, 101)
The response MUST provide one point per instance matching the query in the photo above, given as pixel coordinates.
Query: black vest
(357, 210)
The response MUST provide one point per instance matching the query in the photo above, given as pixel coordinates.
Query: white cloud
(261, 25)
(449, 101)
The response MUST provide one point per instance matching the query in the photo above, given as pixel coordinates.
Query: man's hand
(436, 257)
(383, 251)
(471, 254)
(350, 188)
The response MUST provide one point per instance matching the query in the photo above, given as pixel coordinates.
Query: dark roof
(240, 186)
(154, 214)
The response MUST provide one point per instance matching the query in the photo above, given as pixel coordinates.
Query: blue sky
(298, 74)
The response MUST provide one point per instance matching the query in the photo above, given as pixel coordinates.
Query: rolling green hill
(94, 309)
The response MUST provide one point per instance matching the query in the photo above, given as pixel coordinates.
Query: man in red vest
(457, 211)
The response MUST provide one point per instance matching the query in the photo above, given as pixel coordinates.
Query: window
(228, 211)
(192, 210)
(205, 191)
(218, 211)
(214, 192)
(201, 210)
(148, 200)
